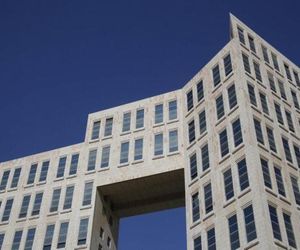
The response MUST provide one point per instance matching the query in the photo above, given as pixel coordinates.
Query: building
(226, 145)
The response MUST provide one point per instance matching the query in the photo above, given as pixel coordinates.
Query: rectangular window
(243, 174)
(124, 153)
(289, 230)
(173, 141)
(297, 154)
(205, 157)
(2, 239)
(74, 164)
(216, 75)
(264, 103)
(83, 229)
(7, 209)
(17, 240)
(139, 123)
(252, 96)
(289, 121)
(24, 206)
(278, 113)
(287, 151)
(251, 43)
(257, 71)
(159, 113)
(232, 96)
(287, 71)
(189, 100)
(108, 126)
(279, 181)
(281, 89)
(211, 239)
(193, 166)
(68, 197)
(158, 144)
(92, 160)
(208, 199)
(105, 156)
(272, 82)
(246, 63)
(61, 167)
(4, 179)
(249, 223)
(275, 61)
(241, 35)
(237, 132)
(274, 223)
(295, 99)
(265, 54)
(138, 149)
(192, 135)
(223, 143)
(271, 139)
(87, 195)
(258, 131)
(202, 121)
(126, 122)
(195, 207)
(62, 236)
(32, 173)
(37, 204)
(44, 171)
(29, 239)
(173, 110)
(266, 173)
(227, 65)
(16, 177)
(297, 79)
(233, 232)
(55, 200)
(95, 130)
(228, 184)
(220, 107)
(48, 237)
(200, 91)
(296, 189)
(197, 243)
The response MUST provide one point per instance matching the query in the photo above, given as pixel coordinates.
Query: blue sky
(60, 60)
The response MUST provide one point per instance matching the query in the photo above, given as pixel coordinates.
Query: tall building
(226, 146)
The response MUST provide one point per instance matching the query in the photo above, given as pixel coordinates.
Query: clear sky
(60, 60)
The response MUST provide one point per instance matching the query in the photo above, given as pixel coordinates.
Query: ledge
(220, 120)
(90, 172)
(229, 202)
(193, 181)
(244, 192)
(228, 77)
(103, 169)
(233, 109)
(125, 133)
(280, 244)
(217, 87)
(107, 137)
(85, 246)
(52, 213)
(4, 223)
(158, 124)
(94, 140)
(86, 207)
(33, 217)
(123, 165)
(66, 211)
(58, 179)
(238, 148)
(71, 176)
(29, 185)
(21, 219)
(200, 103)
(173, 153)
(270, 191)
(205, 173)
(41, 183)
(209, 215)
(12, 189)
(139, 129)
(224, 158)
(158, 157)
(172, 121)
(285, 199)
(196, 223)
(251, 244)
(137, 161)
(191, 144)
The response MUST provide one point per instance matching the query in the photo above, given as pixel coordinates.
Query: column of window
(87, 195)
(224, 149)
(197, 243)
(173, 110)
(272, 82)
(61, 167)
(95, 130)
(108, 126)
(2, 235)
(252, 44)
(251, 93)
(216, 75)
(237, 132)
(287, 151)
(281, 89)
(191, 128)
(208, 199)
(193, 166)
(68, 197)
(295, 99)
(227, 64)
(37, 204)
(32, 173)
(289, 121)
(202, 122)
(258, 131)
(297, 79)
(4, 179)
(275, 61)
(296, 189)
(30, 239)
(279, 181)
(228, 184)
(211, 239)
(138, 149)
(287, 71)
(62, 236)
(249, 223)
(233, 232)
(16, 177)
(232, 96)
(246, 63)
(189, 100)
(195, 207)
(173, 141)
(24, 206)
(55, 200)
(83, 229)
(266, 173)
(159, 113)
(271, 139)
(297, 154)
(200, 91)
(220, 107)
(205, 157)
(265, 54)
(257, 71)
(158, 144)
(44, 171)
(241, 35)
(48, 237)
(105, 156)
(243, 174)
(74, 164)
(139, 123)
(278, 113)
(7, 209)
(92, 160)
(264, 103)
(124, 152)
(289, 230)
(126, 122)
(274, 222)
(17, 240)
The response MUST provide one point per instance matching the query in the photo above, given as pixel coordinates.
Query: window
(252, 96)
(220, 107)
(17, 240)
(297, 79)
(173, 141)
(61, 167)
(271, 139)
(138, 149)
(249, 223)
(7, 209)
(258, 131)
(124, 152)
(55, 200)
(251, 43)
(297, 154)
(108, 243)
(83, 229)
(48, 237)
(265, 54)
(232, 96)
(32, 172)
(278, 113)
(295, 99)
(281, 89)
(257, 71)
(108, 126)
(287, 71)
(208, 200)
(264, 103)
(274, 222)
(189, 100)
(173, 110)
(241, 35)
(44, 171)
(29, 239)
(246, 63)
(243, 174)
(87, 195)
(191, 131)
(289, 230)
(275, 61)
(193, 166)
(272, 82)
(95, 130)
(1, 239)
(62, 237)
(223, 143)
(296, 189)
(24, 206)
(37, 204)
(205, 157)
(279, 181)
(289, 121)
(159, 113)
(237, 132)
(16, 177)
(228, 184)
(126, 122)
(266, 173)
(4, 179)
(202, 122)
(211, 239)
(233, 232)
(74, 164)
(195, 207)
(216, 75)
(197, 243)
(200, 90)
(158, 144)
(68, 197)
(105, 156)
(227, 65)
(139, 123)
(92, 160)
(287, 151)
